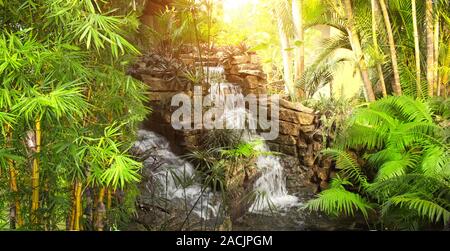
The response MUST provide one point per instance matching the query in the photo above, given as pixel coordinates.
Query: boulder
(256, 73)
(287, 140)
(289, 150)
(296, 117)
(252, 82)
(160, 85)
(289, 128)
(295, 106)
(243, 59)
(308, 128)
(254, 59)
(244, 67)
(235, 79)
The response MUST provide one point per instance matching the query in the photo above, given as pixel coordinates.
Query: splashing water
(176, 177)
(271, 186)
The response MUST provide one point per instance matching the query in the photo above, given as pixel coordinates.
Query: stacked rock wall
(300, 127)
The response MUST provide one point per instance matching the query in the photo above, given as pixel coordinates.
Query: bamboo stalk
(100, 212)
(77, 208)
(35, 174)
(72, 210)
(17, 220)
(109, 199)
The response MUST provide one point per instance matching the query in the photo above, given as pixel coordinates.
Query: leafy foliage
(405, 148)
(63, 94)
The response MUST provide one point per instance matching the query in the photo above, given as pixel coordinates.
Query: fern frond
(348, 165)
(424, 207)
(363, 136)
(436, 162)
(338, 201)
(406, 107)
(398, 167)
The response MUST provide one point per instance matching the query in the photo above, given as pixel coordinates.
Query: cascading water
(271, 186)
(178, 179)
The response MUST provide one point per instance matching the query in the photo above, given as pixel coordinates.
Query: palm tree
(436, 51)
(417, 50)
(377, 48)
(396, 84)
(281, 10)
(297, 14)
(356, 45)
(430, 47)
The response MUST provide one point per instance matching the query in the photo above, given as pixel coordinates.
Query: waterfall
(271, 185)
(176, 177)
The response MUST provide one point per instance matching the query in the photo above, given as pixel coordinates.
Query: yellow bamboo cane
(109, 199)
(35, 174)
(78, 193)
(72, 210)
(100, 210)
(13, 181)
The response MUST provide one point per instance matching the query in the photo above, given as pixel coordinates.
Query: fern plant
(406, 165)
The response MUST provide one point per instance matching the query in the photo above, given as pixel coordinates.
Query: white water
(271, 186)
(178, 179)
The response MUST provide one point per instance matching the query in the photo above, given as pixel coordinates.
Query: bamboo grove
(68, 113)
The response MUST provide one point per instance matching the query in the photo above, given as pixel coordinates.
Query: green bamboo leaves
(65, 100)
(63, 87)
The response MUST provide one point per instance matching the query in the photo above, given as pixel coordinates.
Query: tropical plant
(405, 165)
(404, 22)
(69, 111)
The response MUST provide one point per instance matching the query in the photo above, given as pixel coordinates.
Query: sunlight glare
(232, 7)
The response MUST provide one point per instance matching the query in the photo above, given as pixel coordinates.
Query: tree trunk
(287, 60)
(396, 84)
(297, 14)
(436, 55)
(417, 50)
(377, 49)
(430, 47)
(446, 74)
(356, 45)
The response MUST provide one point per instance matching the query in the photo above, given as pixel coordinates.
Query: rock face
(300, 128)
(301, 136)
